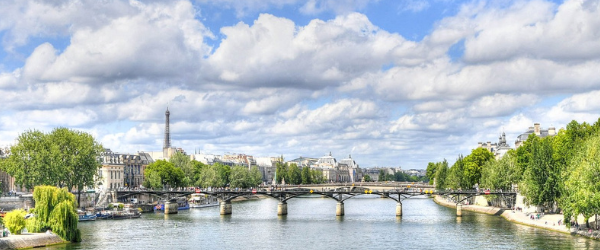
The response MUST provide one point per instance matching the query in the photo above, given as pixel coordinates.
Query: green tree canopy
(441, 174)
(294, 174)
(582, 186)
(63, 158)
(430, 172)
(166, 171)
(473, 165)
(184, 163)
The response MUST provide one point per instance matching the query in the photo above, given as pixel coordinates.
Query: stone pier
(171, 207)
(282, 208)
(399, 209)
(339, 209)
(459, 210)
(225, 207)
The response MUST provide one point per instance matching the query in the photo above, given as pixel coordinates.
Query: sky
(393, 83)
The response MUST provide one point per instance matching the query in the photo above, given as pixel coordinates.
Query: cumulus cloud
(275, 52)
(155, 41)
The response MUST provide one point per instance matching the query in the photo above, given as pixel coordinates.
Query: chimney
(536, 128)
(489, 145)
(479, 145)
(551, 131)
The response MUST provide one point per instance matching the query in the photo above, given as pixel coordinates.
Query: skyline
(394, 83)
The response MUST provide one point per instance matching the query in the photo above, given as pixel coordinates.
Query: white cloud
(413, 5)
(587, 102)
(275, 52)
(156, 41)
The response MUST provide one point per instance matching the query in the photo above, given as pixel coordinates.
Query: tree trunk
(79, 198)
(587, 222)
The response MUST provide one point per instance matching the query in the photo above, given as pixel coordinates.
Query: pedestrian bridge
(338, 193)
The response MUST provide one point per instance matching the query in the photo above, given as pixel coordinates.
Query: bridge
(337, 193)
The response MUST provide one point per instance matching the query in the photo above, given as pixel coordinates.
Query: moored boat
(86, 216)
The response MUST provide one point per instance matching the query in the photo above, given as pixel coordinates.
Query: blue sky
(394, 83)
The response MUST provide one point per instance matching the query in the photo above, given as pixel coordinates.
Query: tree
(473, 165)
(441, 174)
(430, 172)
(239, 177)
(367, 178)
(166, 171)
(63, 158)
(256, 177)
(540, 184)
(294, 174)
(198, 168)
(306, 176)
(382, 175)
(223, 171)
(281, 170)
(501, 174)
(77, 152)
(184, 163)
(15, 221)
(209, 177)
(456, 177)
(583, 183)
(55, 208)
(317, 176)
(28, 161)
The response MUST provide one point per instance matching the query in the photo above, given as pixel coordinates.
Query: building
(352, 167)
(537, 130)
(327, 161)
(267, 166)
(497, 149)
(122, 170)
(346, 170)
(111, 174)
(134, 167)
(304, 161)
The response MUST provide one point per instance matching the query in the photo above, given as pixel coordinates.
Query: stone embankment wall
(29, 241)
(479, 209)
(11, 202)
(547, 222)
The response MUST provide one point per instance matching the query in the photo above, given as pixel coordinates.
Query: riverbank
(547, 221)
(30, 240)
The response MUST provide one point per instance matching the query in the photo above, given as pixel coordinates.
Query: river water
(369, 223)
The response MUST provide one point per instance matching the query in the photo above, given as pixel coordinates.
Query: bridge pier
(170, 207)
(459, 210)
(282, 208)
(339, 209)
(399, 209)
(225, 207)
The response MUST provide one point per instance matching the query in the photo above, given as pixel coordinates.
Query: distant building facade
(537, 130)
(497, 149)
(122, 170)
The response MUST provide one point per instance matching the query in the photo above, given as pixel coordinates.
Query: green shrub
(121, 206)
(15, 221)
(34, 225)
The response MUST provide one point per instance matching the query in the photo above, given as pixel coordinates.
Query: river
(369, 223)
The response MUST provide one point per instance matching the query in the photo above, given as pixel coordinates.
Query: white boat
(199, 200)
